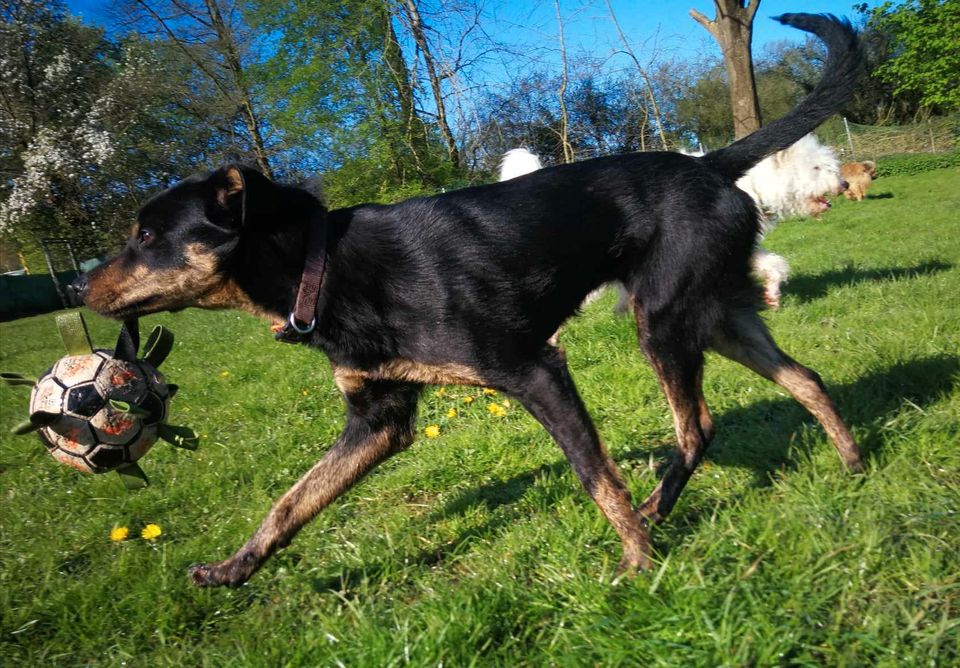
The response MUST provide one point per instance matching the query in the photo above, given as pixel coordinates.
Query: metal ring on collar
(301, 330)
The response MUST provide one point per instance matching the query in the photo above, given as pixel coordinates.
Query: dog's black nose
(78, 288)
(843, 185)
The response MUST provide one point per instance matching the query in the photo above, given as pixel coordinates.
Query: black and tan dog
(466, 288)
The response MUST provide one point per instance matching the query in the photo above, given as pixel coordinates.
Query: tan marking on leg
(349, 460)
(349, 381)
(610, 493)
(748, 342)
(329, 478)
(693, 427)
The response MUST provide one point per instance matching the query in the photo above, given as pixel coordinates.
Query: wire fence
(860, 142)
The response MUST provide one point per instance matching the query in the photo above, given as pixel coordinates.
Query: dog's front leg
(380, 423)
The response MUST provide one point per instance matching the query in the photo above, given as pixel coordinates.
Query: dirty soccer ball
(100, 411)
(95, 429)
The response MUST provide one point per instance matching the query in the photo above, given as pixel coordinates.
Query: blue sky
(663, 26)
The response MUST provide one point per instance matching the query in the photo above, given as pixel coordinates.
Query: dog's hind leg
(380, 423)
(548, 392)
(744, 338)
(680, 372)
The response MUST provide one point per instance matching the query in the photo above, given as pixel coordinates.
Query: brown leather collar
(302, 320)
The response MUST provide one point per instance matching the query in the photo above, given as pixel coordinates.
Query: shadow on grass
(862, 404)
(757, 437)
(881, 196)
(809, 287)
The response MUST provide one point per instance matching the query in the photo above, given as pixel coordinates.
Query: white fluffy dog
(795, 181)
(517, 162)
(788, 184)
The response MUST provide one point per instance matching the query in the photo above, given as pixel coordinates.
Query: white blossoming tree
(88, 127)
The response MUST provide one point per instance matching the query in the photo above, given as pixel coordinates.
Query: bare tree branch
(643, 74)
(561, 93)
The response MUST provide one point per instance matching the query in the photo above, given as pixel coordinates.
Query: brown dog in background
(859, 175)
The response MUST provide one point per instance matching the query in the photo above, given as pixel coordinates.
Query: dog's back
(535, 247)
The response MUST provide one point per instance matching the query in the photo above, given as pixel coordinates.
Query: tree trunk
(232, 56)
(733, 30)
(419, 36)
(396, 64)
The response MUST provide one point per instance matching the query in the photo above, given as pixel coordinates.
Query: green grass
(479, 547)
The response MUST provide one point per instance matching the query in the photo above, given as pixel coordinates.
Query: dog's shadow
(806, 288)
(881, 196)
(866, 405)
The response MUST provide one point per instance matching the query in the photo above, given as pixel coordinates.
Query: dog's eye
(145, 237)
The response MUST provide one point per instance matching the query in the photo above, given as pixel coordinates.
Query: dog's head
(814, 172)
(182, 249)
(796, 180)
(866, 169)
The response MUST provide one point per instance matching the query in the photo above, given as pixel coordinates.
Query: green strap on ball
(158, 346)
(17, 379)
(38, 420)
(73, 331)
(181, 437)
(133, 477)
(127, 407)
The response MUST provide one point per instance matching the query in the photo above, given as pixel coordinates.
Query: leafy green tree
(924, 50)
(214, 37)
(348, 99)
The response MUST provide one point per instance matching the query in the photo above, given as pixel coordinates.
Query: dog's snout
(844, 185)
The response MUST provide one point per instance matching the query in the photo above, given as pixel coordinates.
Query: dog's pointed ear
(236, 187)
(229, 185)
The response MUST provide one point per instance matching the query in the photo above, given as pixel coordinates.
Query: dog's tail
(840, 74)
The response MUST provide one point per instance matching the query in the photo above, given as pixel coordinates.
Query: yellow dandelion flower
(224, 373)
(452, 413)
(432, 431)
(496, 410)
(487, 392)
(118, 534)
(151, 532)
(306, 393)
(468, 400)
(440, 392)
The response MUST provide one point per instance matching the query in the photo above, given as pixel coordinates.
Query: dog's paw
(199, 575)
(629, 566)
(855, 466)
(225, 574)
(206, 575)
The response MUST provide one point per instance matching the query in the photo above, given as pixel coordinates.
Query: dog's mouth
(132, 310)
(819, 204)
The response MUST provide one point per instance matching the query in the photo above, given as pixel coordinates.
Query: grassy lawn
(479, 547)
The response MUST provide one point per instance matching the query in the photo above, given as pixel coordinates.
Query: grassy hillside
(479, 547)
